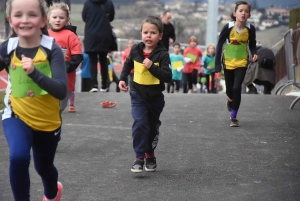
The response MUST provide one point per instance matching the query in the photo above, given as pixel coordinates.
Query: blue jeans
(21, 138)
(145, 128)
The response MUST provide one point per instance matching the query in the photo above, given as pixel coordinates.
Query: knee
(19, 158)
(237, 90)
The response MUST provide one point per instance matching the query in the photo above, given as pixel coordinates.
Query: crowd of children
(49, 75)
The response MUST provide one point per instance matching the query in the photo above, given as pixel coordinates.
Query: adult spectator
(168, 31)
(97, 15)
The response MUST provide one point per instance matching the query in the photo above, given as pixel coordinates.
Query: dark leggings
(94, 56)
(233, 80)
(189, 79)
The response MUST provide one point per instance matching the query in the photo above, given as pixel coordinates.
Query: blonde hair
(43, 9)
(192, 39)
(63, 6)
(210, 45)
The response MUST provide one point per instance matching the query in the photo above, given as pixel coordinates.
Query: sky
(265, 3)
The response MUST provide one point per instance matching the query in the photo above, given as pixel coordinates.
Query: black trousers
(233, 81)
(85, 84)
(94, 58)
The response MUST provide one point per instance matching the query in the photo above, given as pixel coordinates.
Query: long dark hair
(237, 4)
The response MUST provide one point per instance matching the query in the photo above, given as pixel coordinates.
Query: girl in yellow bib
(37, 81)
(237, 35)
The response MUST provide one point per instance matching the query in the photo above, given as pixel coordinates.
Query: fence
(288, 61)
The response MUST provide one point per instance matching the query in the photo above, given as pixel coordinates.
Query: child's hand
(255, 58)
(123, 86)
(27, 64)
(179, 69)
(147, 63)
(187, 60)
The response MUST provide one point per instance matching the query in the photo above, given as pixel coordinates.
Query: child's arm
(252, 43)
(75, 52)
(222, 38)
(127, 67)
(4, 60)
(163, 73)
(75, 61)
(57, 85)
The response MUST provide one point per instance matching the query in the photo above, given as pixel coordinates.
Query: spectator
(97, 15)
(168, 31)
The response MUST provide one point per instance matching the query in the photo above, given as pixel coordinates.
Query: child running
(151, 63)
(209, 68)
(66, 38)
(177, 63)
(37, 81)
(237, 34)
(192, 55)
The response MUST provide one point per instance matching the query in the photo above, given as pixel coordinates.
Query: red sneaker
(59, 192)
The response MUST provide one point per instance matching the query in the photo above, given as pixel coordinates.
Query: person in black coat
(169, 36)
(97, 15)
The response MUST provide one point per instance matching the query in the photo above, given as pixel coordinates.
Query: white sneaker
(198, 86)
(195, 88)
(103, 90)
(189, 91)
(94, 90)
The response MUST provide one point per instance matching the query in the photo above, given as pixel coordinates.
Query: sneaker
(234, 122)
(137, 166)
(94, 89)
(150, 164)
(189, 91)
(104, 90)
(72, 109)
(198, 86)
(229, 105)
(59, 192)
(195, 89)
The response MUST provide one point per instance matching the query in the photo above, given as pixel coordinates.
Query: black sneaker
(229, 105)
(234, 122)
(137, 166)
(150, 164)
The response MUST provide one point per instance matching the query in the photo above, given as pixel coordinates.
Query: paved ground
(199, 156)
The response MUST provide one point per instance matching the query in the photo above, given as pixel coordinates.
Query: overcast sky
(276, 3)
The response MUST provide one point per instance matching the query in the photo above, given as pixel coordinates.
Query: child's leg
(229, 81)
(19, 140)
(168, 87)
(234, 80)
(239, 75)
(185, 82)
(207, 82)
(72, 99)
(190, 81)
(64, 102)
(213, 90)
(154, 124)
(44, 148)
(194, 76)
(177, 85)
(140, 127)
